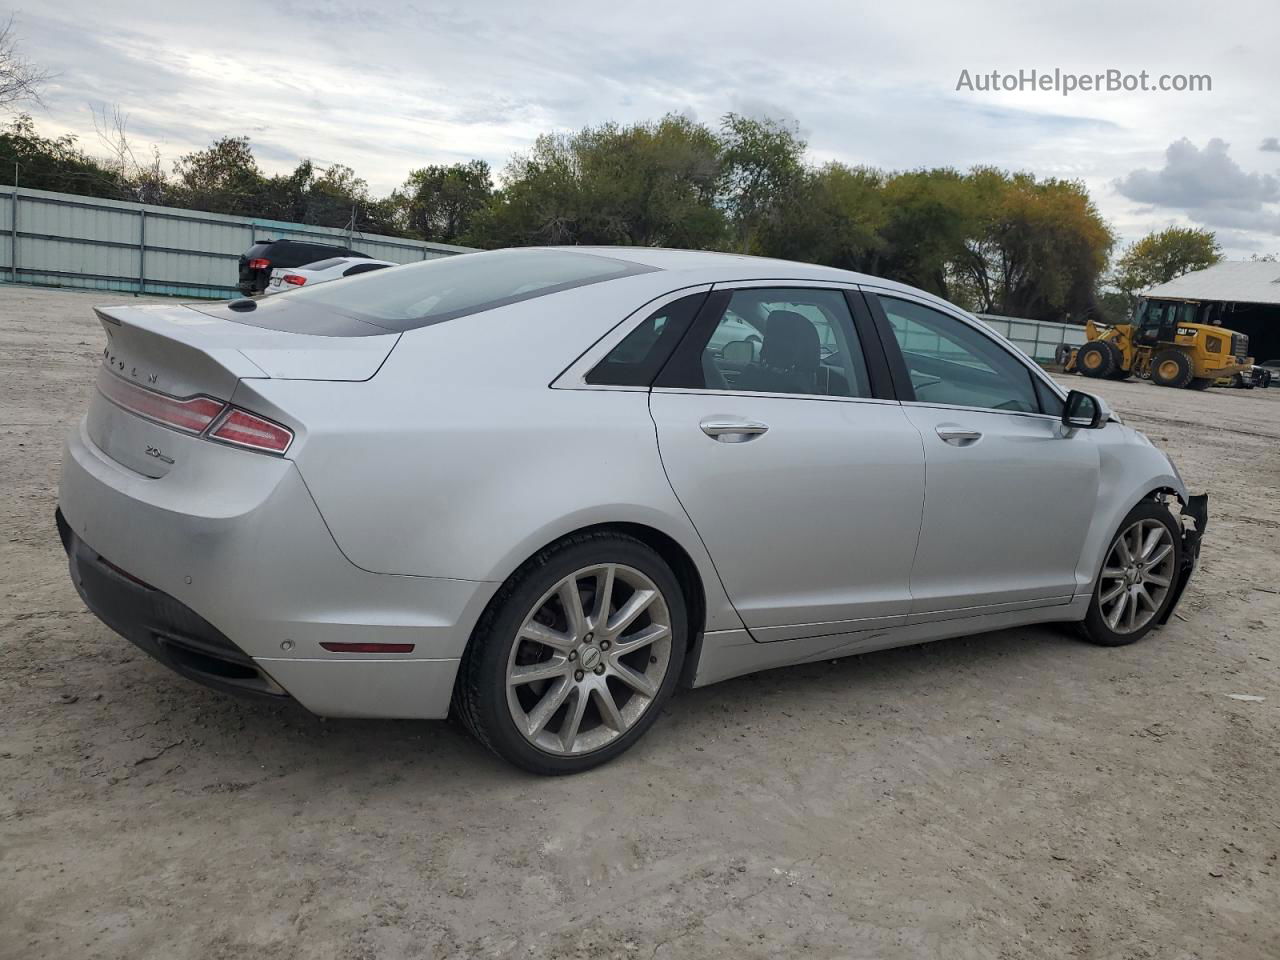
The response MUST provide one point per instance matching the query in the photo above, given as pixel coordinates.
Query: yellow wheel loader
(1165, 343)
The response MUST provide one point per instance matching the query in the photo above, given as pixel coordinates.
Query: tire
(1265, 382)
(1172, 368)
(1120, 375)
(1102, 624)
(488, 704)
(1096, 359)
(1201, 383)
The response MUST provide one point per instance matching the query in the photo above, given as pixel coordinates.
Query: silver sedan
(543, 487)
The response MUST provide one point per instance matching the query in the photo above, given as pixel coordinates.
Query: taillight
(195, 415)
(192, 415)
(260, 263)
(294, 279)
(243, 429)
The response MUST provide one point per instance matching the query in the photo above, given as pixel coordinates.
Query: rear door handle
(733, 431)
(959, 436)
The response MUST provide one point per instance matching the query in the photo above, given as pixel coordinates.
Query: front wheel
(575, 656)
(1135, 585)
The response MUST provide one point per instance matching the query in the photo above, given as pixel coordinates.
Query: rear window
(420, 294)
(324, 264)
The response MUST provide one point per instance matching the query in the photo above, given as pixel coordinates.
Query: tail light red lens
(243, 429)
(196, 415)
(192, 415)
(294, 279)
(259, 263)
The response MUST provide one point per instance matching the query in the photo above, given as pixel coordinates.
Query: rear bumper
(225, 571)
(1197, 508)
(161, 626)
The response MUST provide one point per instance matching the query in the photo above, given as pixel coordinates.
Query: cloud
(1270, 145)
(1208, 186)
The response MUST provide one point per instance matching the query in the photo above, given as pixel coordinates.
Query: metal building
(1241, 295)
(71, 241)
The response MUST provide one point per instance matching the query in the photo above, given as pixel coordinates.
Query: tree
(222, 178)
(1162, 255)
(833, 215)
(20, 79)
(646, 184)
(761, 165)
(441, 203)
(50, 163)
(1036, 248)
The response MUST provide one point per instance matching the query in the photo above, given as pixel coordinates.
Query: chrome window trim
(981, 328)
(574, 376)
(708, 391)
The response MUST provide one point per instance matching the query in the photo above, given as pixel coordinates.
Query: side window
(636, 360)
(951, 363)
(783, 340)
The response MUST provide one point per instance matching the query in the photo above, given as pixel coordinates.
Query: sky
(391, 86)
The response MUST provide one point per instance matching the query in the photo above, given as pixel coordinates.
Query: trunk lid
(181, 351)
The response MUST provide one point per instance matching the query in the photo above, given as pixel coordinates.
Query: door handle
(733, 431)
(959, 436)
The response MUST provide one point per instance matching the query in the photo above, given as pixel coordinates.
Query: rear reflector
(192, 415)
(243, 429)
(294, 279)
(367, 647)
(259, 264)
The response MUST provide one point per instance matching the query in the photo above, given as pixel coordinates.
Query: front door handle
(733, 431)
(959, 436)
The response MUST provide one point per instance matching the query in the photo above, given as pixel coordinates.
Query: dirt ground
(1015, 794)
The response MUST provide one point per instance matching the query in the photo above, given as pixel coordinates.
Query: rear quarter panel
(459, 460)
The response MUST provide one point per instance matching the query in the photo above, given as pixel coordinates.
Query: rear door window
(636, 360)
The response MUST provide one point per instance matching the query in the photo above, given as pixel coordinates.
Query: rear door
(1009, 490)
(801, 474)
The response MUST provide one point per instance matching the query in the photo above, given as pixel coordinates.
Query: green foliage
(50, 164)
(1163, 255)
(987, 239)
(441, 203)
(647, 184)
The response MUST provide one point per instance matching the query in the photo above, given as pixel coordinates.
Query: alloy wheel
(589, 659)
(1136, 576)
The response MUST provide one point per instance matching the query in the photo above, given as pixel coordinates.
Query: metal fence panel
(66, 240)
(1038, 339)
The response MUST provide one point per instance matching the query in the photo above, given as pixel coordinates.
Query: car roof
(714, 266)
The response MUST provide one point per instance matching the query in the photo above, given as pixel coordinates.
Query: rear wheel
(1172, 368)
(1097, 358)
(575, 656)
(1136, 582)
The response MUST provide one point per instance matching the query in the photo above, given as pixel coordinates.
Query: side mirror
(1085, 411)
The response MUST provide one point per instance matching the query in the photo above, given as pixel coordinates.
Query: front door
(1009, 490)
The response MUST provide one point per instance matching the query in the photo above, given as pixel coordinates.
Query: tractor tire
(1062, 354)
(1097, 359)
(1201, 383)
(1172, 368)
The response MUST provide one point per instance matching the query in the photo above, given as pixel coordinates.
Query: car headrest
(791, 343)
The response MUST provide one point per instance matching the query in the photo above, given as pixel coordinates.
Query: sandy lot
(1016, 794)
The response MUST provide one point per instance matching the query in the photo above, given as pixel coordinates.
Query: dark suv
(258, 261)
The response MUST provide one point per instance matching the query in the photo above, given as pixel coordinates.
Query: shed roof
(1238, 281)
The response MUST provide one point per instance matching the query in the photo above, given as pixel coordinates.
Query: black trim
(1197, 508)
(160, 626)
(874, 352)
(684, 367)
(681, 314)
(903, 389)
